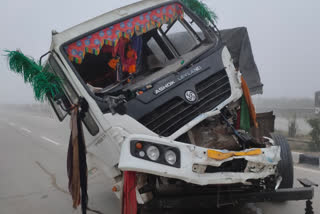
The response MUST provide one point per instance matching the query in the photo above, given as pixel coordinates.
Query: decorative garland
(44, 83)
(111, 35)
(201, 9)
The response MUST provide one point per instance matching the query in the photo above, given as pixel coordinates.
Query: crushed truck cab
(168, 99)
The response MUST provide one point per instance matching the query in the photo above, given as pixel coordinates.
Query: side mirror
(60, 105)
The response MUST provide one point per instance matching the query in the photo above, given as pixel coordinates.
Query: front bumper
(211, 201)
(258, 166)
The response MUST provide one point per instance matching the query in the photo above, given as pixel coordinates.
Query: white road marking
(12, 124)
(26, 130)
(51, 141)
(307, 169)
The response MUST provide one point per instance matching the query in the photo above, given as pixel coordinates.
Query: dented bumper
(211, 201)
(192, 158)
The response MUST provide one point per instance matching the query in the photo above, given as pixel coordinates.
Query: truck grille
(174, 114)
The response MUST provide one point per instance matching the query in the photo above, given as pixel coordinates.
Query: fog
(284, 36)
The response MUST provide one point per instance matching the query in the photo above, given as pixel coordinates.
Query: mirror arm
(43, 56)
(82, 103)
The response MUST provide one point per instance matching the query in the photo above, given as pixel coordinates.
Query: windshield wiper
(116, 87)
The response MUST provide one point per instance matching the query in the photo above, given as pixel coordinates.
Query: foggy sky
(284, 34)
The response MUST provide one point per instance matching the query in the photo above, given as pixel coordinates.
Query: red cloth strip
(129, 193)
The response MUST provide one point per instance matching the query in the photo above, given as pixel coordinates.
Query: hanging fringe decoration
(76, 160)
(45, 84)
(201, 9)
(111, 35)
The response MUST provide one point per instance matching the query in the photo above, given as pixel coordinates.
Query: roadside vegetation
(296, 120)
(315, 134)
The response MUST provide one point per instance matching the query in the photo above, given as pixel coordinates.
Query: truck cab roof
(107, 18)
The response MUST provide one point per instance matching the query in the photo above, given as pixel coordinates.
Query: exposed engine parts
(219, 132)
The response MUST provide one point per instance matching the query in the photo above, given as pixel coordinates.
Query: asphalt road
(33, 175)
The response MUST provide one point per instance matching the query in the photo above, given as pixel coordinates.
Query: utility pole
(317, 103)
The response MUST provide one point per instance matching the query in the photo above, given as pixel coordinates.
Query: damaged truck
(165, 97)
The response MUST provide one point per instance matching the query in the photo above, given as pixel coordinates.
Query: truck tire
(285, 166)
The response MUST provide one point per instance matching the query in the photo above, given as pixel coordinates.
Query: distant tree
(293, 126)
(315, 133)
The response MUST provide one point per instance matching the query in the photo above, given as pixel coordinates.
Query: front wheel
(285, 165)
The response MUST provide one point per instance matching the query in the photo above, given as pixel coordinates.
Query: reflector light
(139, 145)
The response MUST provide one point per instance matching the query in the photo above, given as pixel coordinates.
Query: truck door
(64, 101)
(102, 153)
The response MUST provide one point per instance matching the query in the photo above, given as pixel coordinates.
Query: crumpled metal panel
(191, 155)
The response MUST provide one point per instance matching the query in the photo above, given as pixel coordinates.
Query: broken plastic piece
(222, 156)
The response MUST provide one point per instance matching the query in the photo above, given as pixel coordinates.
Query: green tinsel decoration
(23, 65)
(201, 9)
(45, 84)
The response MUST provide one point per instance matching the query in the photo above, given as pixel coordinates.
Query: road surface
(33, 175)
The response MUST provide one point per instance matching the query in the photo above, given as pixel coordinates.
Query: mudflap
(129, 200)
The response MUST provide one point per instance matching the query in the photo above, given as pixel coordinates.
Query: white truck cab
(164, 99)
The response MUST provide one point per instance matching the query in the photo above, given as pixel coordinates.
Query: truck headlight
(153, 153)
(156, 152)
(170, 157)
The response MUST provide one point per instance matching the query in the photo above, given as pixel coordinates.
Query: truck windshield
(136, 48)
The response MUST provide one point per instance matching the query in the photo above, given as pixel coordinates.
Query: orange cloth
(128, 57)
(132, 69)
(113, 63)
(246, 93)
(131, 60)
